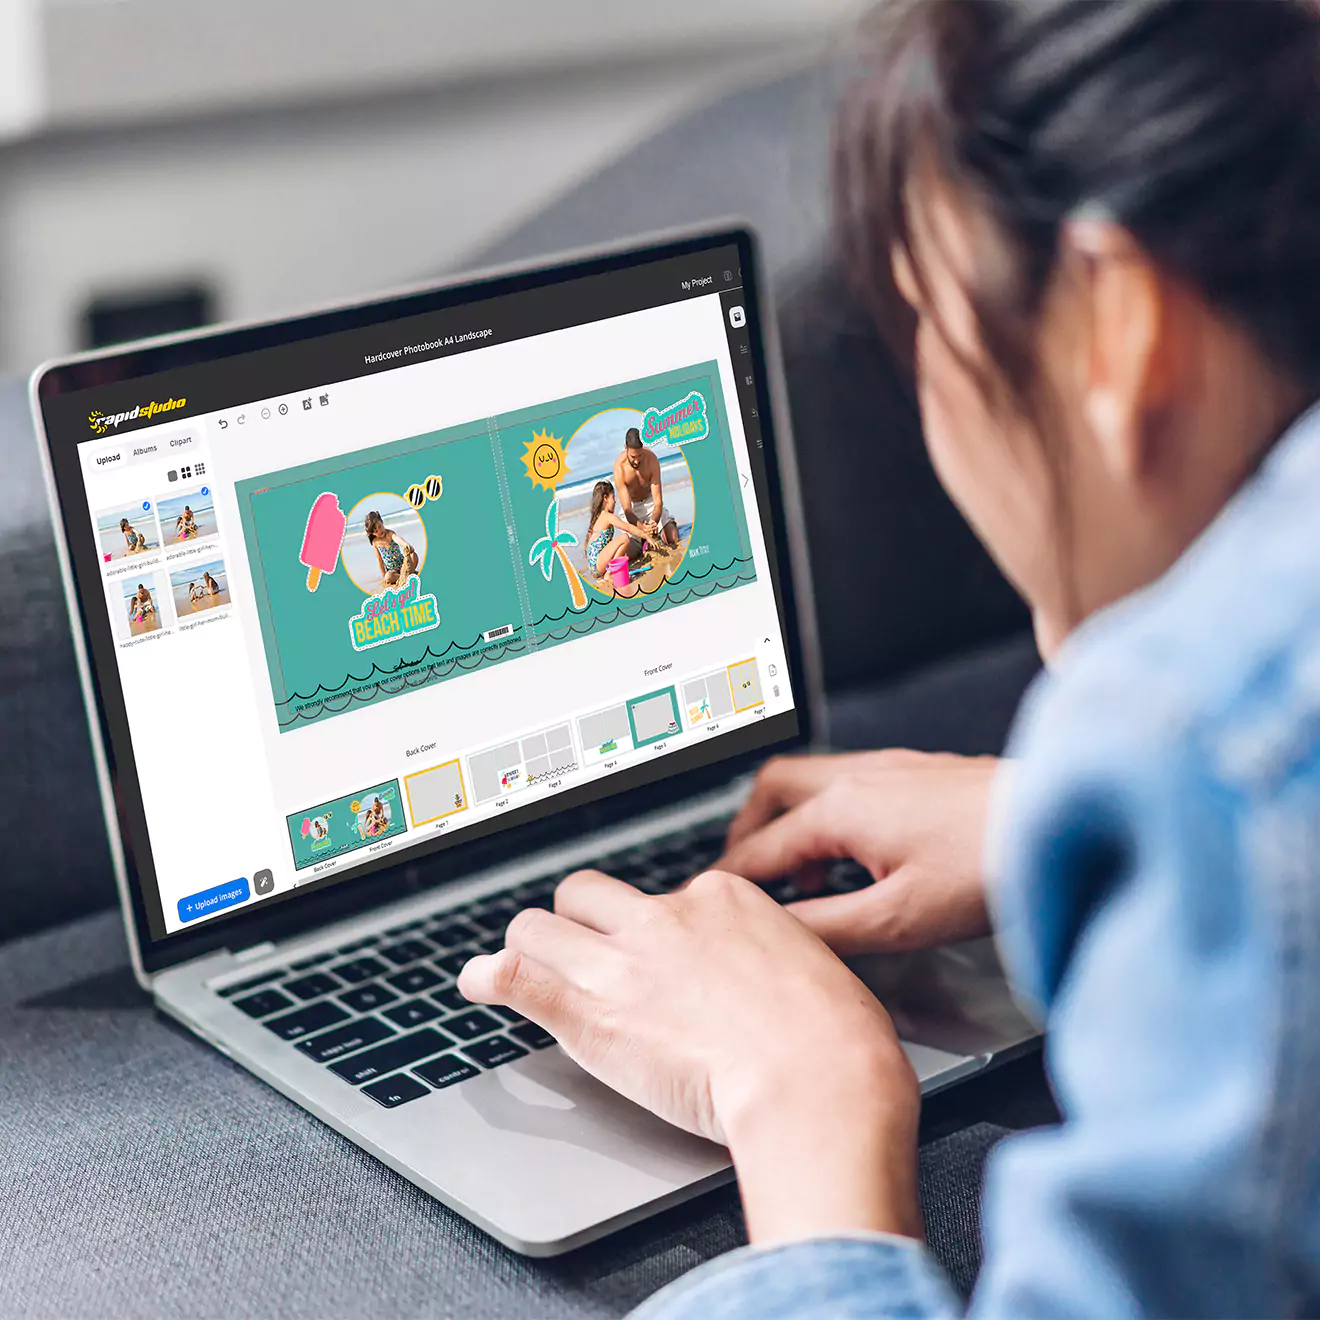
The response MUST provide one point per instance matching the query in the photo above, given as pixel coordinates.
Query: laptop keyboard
(383, 1012)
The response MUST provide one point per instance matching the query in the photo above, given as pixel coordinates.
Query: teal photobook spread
(395, 568)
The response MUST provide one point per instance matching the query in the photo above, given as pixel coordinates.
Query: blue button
(213, 900)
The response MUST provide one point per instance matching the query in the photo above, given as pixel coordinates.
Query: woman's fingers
(819, 829)
(784, 782)
(570, 950)
(537, 992)
(597, 901)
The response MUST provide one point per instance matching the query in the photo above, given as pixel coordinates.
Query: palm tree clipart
(550, 547)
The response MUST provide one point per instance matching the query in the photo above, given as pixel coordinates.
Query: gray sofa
(144, 1173)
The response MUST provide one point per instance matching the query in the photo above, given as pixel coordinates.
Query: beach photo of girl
(125, 532)
(612, 547)
(629, 546)
(385, 543)
(139, 605)
(198, 588)
(374, 819)
(187, 518)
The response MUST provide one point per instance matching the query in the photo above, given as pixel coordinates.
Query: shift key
(391, 1056)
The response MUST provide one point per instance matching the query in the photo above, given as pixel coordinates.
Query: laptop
(369, 670)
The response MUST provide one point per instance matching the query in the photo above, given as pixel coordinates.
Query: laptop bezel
(390, 879)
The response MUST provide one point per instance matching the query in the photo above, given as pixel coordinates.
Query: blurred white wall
(294, 151)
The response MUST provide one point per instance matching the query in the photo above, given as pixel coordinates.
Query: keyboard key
(491, 944)
(364, 943)
(782, 891)
(313, 986)
(344, 1040)
(395, 1091)
(450, 998)
(495, 916)
(407, 951)
(507, 1013)
(306, 1019)
(394, 1054)
(446, 1071)
(251, 984)
(263, 1003)
(413, 980)
(412, 1013)
(456, 932)
(530, 1034)
(453, 963)
(470, 1025)
(306, 964)
(360, 969)
(495, 1051)
(367, 998)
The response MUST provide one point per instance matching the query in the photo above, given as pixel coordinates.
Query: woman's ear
(1127, 363)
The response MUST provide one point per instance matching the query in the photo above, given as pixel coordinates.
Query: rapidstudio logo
(102, 422)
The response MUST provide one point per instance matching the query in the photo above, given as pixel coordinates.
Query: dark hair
(123, 522)
(632, 439)
(1194, 124)
(375, 524)
(600, 492)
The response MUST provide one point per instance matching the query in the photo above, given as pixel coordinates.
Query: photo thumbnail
(139, 604)
(199, 587)
(127, 531)
(187, 518)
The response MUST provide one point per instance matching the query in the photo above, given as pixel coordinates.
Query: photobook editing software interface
(352, 617)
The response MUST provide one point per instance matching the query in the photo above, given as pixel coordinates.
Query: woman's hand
(917, 822)
(713, 1008)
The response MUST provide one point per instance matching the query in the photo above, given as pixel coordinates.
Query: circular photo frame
(365, 563)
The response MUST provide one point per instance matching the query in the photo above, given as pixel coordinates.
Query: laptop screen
(382, 588)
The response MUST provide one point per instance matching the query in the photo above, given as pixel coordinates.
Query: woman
(1104, 221)
(608, 535)
(396, 557)
(210, 586)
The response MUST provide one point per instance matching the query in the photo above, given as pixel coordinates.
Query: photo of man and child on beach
(632, 508)
(140, 604)
(384, 542)
(374, 818)
(199, 587)
(187, 518)
(127, 531)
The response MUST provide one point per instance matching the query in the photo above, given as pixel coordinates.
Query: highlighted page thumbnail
(413, 563)
(345, 824)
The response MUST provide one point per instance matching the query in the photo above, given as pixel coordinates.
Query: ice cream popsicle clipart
(323, 539)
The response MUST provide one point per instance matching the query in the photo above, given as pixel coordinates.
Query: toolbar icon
(737, 317)
(284, 410)
(307, 405)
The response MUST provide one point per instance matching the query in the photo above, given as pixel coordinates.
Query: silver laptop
(368, 670)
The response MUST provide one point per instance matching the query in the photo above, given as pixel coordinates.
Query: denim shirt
(1155, 880)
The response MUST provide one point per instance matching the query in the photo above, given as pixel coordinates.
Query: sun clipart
(545, 460)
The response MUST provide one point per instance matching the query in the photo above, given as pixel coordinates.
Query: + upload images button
(214, 900)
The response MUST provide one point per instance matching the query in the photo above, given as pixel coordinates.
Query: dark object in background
(138, 314)
(900, 580)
